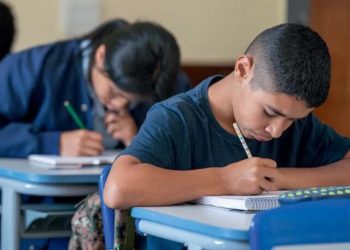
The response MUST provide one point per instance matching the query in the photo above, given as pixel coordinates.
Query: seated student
(110, 77)
(275, 85)
(7, 29)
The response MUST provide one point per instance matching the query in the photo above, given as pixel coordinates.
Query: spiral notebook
(263, 201)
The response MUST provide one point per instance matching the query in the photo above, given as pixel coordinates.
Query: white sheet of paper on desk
(56, 161)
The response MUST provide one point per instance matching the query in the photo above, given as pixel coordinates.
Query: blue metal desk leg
(10, 219)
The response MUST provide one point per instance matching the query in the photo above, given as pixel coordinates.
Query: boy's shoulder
(192, 98)
(185, 107)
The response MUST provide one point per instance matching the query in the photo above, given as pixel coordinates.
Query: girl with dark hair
(110, 77)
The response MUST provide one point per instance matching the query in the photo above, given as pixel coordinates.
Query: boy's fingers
(267, 185)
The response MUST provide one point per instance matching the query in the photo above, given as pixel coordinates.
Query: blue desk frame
(322, 224)
(19, 176)
(196, 226)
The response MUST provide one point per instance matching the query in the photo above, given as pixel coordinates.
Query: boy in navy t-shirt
(283, 75)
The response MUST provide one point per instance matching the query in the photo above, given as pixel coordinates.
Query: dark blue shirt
(181, 133)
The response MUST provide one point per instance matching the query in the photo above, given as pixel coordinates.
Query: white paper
(56, 161)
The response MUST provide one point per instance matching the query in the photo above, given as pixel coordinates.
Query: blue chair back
(313, 222)
(107, 213)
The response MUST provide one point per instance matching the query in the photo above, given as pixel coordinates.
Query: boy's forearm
(174, 186)
(148, 185)
(335, 174)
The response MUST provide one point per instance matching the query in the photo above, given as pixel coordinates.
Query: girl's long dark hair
(141, 58)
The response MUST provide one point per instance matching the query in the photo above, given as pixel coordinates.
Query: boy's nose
(277, 127)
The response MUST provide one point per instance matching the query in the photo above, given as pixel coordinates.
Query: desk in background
(19, 176)
(196, 226)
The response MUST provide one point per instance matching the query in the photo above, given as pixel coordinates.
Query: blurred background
(210, 33)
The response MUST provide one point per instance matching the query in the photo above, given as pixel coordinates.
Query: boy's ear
(100, 55)
(244, 66)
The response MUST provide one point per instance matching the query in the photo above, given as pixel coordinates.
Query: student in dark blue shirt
(275, 85)
(110, 76)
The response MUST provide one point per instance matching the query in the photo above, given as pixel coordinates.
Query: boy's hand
(121, 126)
(81, 142)
(250, 176)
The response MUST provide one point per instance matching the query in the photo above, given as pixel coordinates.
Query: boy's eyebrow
(277, 112)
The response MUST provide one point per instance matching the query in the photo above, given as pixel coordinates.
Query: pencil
(243, 142)
(73, 114)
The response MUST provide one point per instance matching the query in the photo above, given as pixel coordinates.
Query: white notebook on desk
(56, 161)
(263, 201)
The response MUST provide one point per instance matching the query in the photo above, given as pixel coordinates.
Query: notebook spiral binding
(262, 203)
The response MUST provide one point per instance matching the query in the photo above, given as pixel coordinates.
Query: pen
(243, 142)
(245, 146)
(73, 114)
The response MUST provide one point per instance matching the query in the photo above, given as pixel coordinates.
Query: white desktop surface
(23, 170)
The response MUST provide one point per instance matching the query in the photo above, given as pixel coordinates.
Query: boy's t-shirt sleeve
(159, 138)
(320, 144)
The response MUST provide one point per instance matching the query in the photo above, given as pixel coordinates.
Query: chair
(107, 213)
(304, 223)
(124, 222)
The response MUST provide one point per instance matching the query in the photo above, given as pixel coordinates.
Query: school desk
(19, 176)
(320, 224)
(195, 225)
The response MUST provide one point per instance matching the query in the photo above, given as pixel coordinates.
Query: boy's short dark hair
(292, 59)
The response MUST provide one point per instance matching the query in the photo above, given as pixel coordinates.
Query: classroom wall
(209, 32)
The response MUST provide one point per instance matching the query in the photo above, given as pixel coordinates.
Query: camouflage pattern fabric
(87, 228)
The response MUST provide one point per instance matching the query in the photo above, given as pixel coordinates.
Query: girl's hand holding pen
(81, 142)
(121, 125)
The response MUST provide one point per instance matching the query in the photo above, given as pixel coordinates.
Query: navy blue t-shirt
(181, 133)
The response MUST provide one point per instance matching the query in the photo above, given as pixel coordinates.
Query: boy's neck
(219, 95)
